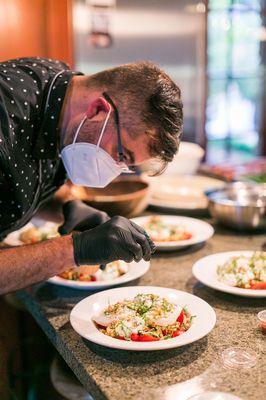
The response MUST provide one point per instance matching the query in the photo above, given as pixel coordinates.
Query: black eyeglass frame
(121, 155)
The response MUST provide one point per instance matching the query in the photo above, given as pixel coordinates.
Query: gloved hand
(80, 217)
(116, 239)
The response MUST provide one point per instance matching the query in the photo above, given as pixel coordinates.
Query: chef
(56, 123)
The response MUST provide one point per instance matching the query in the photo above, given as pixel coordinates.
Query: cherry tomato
(120, 337)
(180, 319)
(176, 333)
(147, 338)
(134, 337)
(257, 285)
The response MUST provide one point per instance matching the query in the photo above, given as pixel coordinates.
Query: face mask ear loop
(79, 128)
(103, 129)
(75, 138)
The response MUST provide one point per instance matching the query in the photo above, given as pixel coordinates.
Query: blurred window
(236, 78)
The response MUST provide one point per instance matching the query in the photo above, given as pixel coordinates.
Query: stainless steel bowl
(239, 205)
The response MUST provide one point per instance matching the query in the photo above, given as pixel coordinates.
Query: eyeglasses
(121, 155)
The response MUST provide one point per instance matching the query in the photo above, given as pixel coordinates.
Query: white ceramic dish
(205, 271)
(135, 271)
(187, 160)
(200, 230)
(82, 314)
(181, 193)
(13, 238)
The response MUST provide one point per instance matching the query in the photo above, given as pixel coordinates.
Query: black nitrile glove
(117, 239)
(80, 217)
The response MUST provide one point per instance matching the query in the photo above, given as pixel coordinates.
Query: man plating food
(56, 122)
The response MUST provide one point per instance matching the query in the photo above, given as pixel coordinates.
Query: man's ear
(96, 106)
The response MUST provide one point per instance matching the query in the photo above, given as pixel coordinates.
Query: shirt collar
(46, 146)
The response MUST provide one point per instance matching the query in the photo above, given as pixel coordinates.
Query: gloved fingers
(143, 232)
(88, 223)
(68, 209)
(128, 257)
(65, 228)
(138, 228)
(142, 239)
(70, 206)
(152, 244)
(92, 221)
(136, 250)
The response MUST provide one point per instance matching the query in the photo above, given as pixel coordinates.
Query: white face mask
(88, 164)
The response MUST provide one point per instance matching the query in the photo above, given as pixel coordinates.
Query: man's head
(149, 108)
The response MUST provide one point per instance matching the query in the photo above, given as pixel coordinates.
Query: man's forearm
(25, 265)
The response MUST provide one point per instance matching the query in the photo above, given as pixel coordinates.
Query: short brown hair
(150, 100)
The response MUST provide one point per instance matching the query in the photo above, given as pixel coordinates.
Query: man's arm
(22, 266)
(116, 239)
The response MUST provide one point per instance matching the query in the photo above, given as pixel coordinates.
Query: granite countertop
(173, 374)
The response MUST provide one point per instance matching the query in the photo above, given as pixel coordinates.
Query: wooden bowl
(124, 196)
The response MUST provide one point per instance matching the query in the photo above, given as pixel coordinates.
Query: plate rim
(222, 286)
(143, 266)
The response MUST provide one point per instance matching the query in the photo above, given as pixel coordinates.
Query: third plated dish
(242, 273)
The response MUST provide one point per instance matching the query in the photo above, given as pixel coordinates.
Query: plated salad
(83, 273)
(162, 231)
(244, 272)
(145, 318)
(34, 234)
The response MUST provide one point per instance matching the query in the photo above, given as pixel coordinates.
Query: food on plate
(90, 273)
(244, 272)
(145, 318)
(34, 235)
(161, 231)
(84, 273)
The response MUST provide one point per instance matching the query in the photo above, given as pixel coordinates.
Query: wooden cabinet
(36, 28)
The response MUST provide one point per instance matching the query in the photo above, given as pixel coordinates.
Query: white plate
(205, 270)
(82, 314)
(135, 270)
(181, 192)
(13, 238)
(200, 230)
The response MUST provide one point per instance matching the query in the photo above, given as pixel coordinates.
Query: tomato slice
(134, 337)
(176, 333)
(120, 337)
(147, 338)
(180, 319)
(186, 236)
(257, 285)
(143, 338)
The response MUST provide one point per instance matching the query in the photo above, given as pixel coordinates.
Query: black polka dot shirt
(32, 92)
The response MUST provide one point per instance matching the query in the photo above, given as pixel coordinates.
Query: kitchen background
(215, 50)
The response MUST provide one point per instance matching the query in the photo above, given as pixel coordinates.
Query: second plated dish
(171, 232)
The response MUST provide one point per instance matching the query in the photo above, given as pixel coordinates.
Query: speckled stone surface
(173, 374)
